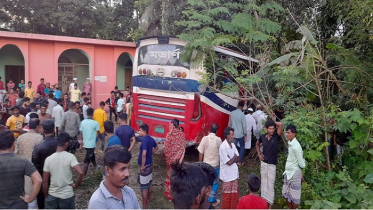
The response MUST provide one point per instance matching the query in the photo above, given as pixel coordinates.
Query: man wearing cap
(260, 117)
(87, 87)
(42, 151)
(250, 126)
(75, 81)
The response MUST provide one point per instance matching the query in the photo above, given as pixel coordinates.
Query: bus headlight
(148, 72)
(173, 74)
(183, 75)
(160, 72)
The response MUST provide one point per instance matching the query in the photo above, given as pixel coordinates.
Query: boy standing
(16, 122)
(59, 194)
(146, 164)
(29, 91)
(57, 114)
(111, 103)
(253, 200)
(13, 97)
(90, 129)
(85, 107)
(120, 104)
(41, 87)
(75, 93)
(22, 85)
(100, 116)
(10, 85)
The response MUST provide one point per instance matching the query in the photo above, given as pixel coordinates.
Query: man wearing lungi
(146, 164)
(229, 157)
(291, 189)
(268, 159)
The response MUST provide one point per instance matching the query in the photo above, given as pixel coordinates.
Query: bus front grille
(161, 108)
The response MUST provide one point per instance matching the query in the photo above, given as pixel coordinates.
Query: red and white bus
(165, 87)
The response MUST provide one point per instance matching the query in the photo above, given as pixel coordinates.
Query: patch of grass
(158, 199)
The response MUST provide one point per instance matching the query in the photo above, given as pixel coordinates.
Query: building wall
(10, 55)
(41, 61)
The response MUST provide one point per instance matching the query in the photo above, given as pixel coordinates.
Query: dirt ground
(158, 200)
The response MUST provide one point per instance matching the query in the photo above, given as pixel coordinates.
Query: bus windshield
(165, 55)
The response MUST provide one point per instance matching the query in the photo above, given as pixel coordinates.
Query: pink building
(59, 59)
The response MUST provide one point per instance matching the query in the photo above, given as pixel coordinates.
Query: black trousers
(41, 200)
(113, 111)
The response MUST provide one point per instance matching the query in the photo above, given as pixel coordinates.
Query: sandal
(216, 203)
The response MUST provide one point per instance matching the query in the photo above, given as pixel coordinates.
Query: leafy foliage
(84, 18)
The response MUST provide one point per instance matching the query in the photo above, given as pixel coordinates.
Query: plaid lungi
(291, 190)
(145, 178)
(268, 178)
(230, 195)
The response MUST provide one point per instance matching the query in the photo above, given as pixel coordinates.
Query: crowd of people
(40, 138)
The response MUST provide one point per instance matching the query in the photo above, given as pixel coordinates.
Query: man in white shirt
(58, 184)
(229, 170)
(85, 107)
(251, 126)
(33, 110)
(51, 103)
(71, 87)
(209, 153)
(57, 114)
(260, 117)
(120, 104)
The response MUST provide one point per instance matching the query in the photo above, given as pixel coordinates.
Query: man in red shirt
(10, 85)
(253, 200)
(41, 87)
(13, 95)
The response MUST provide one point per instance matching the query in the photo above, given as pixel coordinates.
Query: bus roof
(234, 53)
(220, 49)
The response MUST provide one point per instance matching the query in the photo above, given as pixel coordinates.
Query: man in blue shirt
(114, 192)
(90, 129)
(237, 121)
(146, 164)
(109, 132)
(125, 133)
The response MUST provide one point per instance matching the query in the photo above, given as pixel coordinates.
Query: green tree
(159, 17)
(243, 26)
(84, 18)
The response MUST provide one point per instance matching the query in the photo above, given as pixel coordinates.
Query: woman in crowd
(174, 149)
